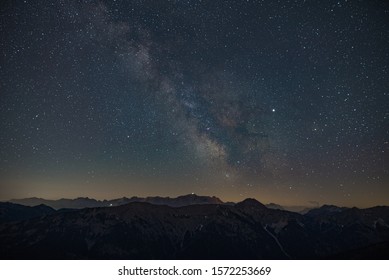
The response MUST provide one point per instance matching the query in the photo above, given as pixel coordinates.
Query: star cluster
(285, 101)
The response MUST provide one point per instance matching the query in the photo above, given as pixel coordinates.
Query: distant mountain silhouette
(78, 203)
(274, 206)
(325, 210)
(296, 208)
(245, 230)
(15, 212)
(85, 202)
(184, 200)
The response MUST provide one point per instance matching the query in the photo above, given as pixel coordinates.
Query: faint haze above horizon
(268, 200)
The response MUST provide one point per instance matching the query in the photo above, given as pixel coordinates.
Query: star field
(284, 101)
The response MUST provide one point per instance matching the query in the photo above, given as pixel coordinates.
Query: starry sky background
(283, 101)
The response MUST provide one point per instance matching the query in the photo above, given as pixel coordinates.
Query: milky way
(285, 102)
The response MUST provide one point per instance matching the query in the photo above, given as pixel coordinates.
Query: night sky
(282, 101)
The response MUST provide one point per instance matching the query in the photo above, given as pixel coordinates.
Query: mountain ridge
(245, 230)
(86, 202)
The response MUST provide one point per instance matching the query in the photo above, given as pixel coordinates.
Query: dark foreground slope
(247, 230)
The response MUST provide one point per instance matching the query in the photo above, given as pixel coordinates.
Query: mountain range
(141, 230)
(85, 202)
(185, 200)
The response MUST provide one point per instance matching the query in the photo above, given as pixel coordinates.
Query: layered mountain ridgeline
(85, 202)
(190, 199)
(246, 230)
(15, 212)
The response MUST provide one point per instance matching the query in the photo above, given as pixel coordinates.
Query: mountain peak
(251, 202)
